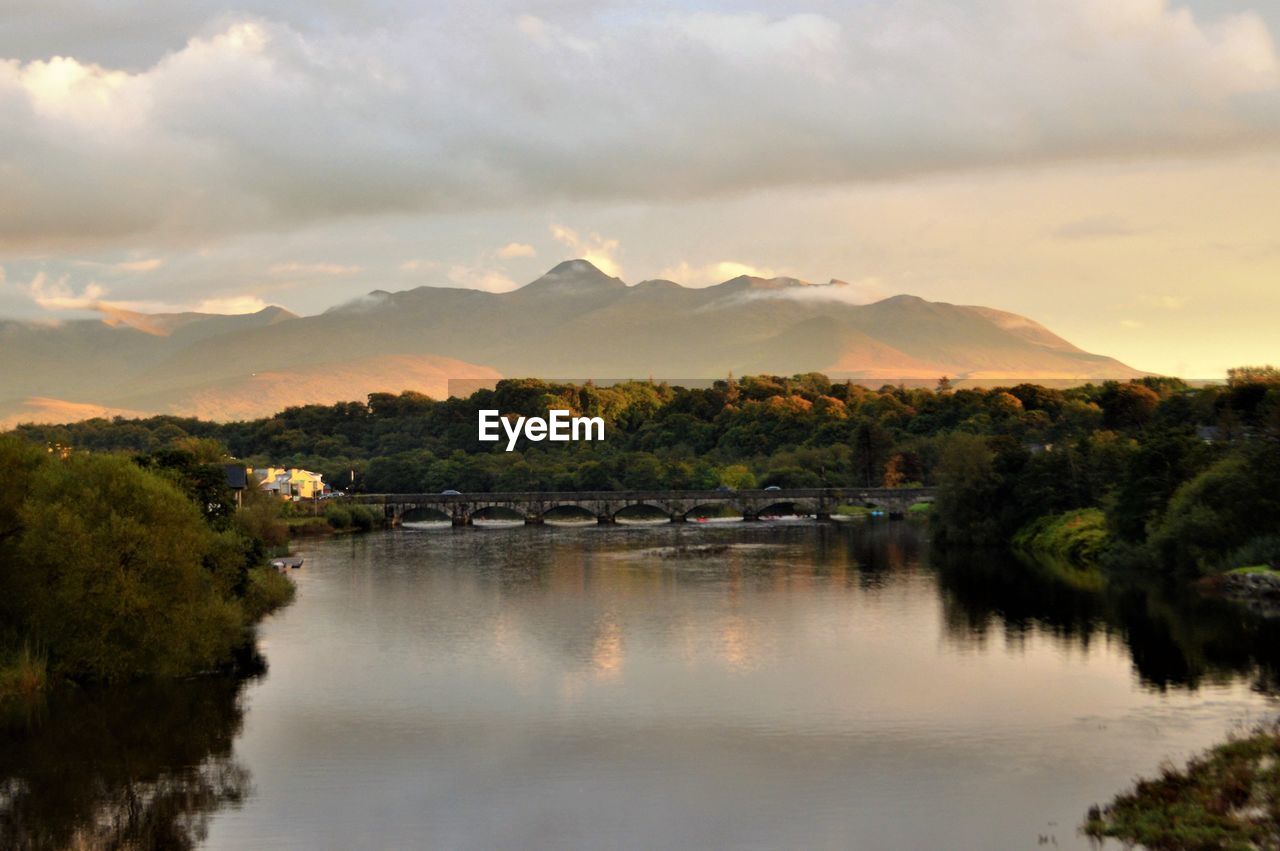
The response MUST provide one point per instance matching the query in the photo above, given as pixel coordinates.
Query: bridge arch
(568, 514)
(497, 514)
(708, 511)
(424, 515)
(788, 508)
(642, 513)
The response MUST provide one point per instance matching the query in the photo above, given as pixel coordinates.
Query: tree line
(1153, 457)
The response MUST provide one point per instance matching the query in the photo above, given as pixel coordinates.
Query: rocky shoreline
(1259, 589)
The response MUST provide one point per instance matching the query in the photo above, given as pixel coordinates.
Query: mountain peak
(751, 282)
(573, 277)
(576, 267)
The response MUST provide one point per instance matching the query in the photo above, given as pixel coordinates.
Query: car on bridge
(450, 492)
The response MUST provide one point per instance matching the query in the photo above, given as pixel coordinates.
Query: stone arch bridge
(677, 505)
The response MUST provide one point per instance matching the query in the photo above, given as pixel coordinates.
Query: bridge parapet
(604, 505)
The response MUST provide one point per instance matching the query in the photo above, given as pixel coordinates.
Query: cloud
(1131, 323)
(593, 247)
(711, 273)
(861, 291)
(480, 278)
(58, 294)
(856, 292)
(248, 122)
(416, 265)
(314, 269)
(550, 37)
(149, 264)
(517, 249)
(231, 305)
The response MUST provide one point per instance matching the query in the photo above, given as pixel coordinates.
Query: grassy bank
(1227, 798)
(359, 518)
(1077, 538)
(1254, 570)
(336, 518)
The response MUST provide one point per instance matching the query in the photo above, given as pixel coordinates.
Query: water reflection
(1176, 638)
(138, 768)
(690, 685)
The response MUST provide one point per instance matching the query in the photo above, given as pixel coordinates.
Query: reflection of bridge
(677, 505)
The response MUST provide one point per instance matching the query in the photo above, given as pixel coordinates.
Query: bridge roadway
(677, 505)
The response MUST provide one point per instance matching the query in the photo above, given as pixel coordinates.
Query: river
(758, 685)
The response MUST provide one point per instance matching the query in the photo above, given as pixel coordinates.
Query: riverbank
(1256, 587)
(337, 518)
(1253, 582)
(25, 673)
(1079, 543)
(1224, 798)
(1077, 538)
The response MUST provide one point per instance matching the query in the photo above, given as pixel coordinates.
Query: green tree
(110, 574)
(1231, 503)
(642, 472)
(593, 476)
(965, 510)
(1127, 406)
(738, 477)
(871, 444)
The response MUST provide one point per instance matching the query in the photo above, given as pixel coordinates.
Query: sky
(1110, 168)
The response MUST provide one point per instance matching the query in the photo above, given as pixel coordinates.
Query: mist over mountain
(574, 321)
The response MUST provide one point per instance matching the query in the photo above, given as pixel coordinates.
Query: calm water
(753, 686)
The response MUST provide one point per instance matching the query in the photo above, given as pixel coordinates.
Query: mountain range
(574, 321)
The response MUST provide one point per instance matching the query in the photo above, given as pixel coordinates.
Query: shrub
(260, 519)
(363, 518)
(1263, 550)
(268, 589)
(1077, 537)
(338, 517)
(110, 577)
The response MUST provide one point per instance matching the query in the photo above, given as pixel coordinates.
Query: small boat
(294, 562)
